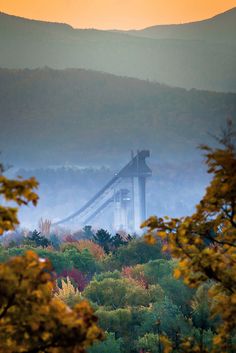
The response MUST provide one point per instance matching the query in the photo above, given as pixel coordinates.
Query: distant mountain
(199, 55)
(221, 27)
(53, 117)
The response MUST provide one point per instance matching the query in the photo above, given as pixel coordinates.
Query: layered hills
(198, 55)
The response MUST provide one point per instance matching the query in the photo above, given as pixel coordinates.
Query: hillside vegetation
(76, 116)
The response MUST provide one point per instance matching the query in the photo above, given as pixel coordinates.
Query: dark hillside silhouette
(51, 117)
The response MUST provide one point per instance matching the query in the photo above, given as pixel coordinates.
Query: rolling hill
(221, 27)
(200, 55)
(50, 117)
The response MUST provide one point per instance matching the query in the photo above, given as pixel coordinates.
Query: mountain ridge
(96, 117)
(207, 29)
(231, 11)
(202, 61)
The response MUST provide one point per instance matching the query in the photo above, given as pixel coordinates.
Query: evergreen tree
(104, 239)
(39, 240)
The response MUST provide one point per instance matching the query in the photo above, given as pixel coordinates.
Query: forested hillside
(200, 55)
(51, 117)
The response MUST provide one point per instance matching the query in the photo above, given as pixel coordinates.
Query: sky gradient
(119, 14)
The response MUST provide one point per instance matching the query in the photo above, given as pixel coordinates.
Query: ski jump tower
(137, 170)
(129, 203)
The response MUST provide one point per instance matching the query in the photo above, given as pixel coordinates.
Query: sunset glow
(120, 14)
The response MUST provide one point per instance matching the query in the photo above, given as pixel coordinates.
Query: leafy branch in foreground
(32, 319)
(205, 243)
(18, 191)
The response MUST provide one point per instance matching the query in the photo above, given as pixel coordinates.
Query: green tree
(55, 241)
(37, 240)
(149, 343)
(119, 321)
(104, 239)
(109, 345)
(101, 276)
(201, 316)
(118, 240)
(82, 260)
(88, 232)
(136, 252)
(110, 292)
(58, 260)
(119, 293)
(201, 309)
(157, 270)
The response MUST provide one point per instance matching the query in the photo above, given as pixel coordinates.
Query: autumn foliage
(32, 319)
(18, 191)
(95, 249)
(205, 243)
(136, 275)
(79, 279)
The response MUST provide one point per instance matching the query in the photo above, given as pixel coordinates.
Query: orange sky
(120, 14)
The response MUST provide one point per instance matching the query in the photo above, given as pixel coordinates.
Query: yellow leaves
(161, 234)
(45, 336)
(225, 188)
(27, 306)
(209, 252)
(150, 239)
(181, 269)
(37, 293)
(67, 291)
(8, 219)
(150, 222)
(167, 347)
(217, 340)
(165, 248)
(26, 336)
(182, 232)
(177, 273)
(204, 243)
(183, 263)
(198, 241)
(233, 299)
(34, 312)
(35, 326)
(18, 191)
